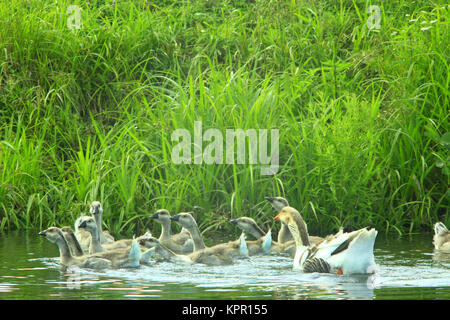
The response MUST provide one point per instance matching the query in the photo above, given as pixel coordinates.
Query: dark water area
(408, 268)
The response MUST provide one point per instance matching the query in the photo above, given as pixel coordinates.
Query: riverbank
(361, 106)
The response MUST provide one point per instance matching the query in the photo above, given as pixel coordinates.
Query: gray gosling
(119, 258)
(96, 246)
(96, 210)
(214, 256)
(83, 236)
(222, 251)
(180, 243)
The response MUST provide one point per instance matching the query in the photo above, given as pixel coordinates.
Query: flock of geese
(89, 246)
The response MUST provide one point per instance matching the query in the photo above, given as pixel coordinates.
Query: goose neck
(196, 237)
(98, 222)
(64, 251)
(165, 230)
(299, 231)
(95, 245)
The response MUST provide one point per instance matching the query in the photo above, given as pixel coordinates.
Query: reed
(87, 114)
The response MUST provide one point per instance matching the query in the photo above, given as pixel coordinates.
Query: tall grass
(88, 114)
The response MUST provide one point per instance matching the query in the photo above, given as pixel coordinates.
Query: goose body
(120, 258)
(180, 243)
(441, 238)
(344, 253)
(214, 256)
(219, 254)
(96, 246)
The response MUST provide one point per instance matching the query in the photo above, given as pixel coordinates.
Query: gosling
(119, 258)
(180, 243)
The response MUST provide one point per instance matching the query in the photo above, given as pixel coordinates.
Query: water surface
(407, 269)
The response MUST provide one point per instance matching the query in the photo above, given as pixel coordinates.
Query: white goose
(343, 253)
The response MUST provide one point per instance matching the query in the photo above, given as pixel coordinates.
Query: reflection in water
(443, 257)
(408, 268)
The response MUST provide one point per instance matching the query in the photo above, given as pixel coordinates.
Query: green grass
(88, 114)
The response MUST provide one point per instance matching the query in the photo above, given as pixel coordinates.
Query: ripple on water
(401, 265)
(7, 287)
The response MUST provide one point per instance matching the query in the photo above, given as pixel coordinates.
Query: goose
(441, 238)
(214, 256)
(83, 236)
(186, 220)
(343, 253)
(96, 210)
(89, 224)
(119, 258)
(180, 243)
(72, 241)
(284, 235)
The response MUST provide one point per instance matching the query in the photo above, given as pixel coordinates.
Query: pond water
(407, 269)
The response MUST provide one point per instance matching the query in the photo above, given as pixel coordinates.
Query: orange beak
(340, 271)
(277, 217)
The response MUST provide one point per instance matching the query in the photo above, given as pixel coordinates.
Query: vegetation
(87, 114)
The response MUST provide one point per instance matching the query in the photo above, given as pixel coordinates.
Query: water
(408, 269)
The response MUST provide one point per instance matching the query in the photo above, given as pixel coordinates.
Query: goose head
(248, 225)
(185, 220)
(96, 208)
(161, 216)
(290, 217)
(88, 224)
(53, 234)
(277, 203)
